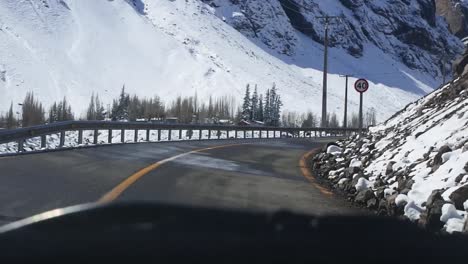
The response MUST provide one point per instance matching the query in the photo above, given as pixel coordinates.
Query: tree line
(31, 112)
(309, 120)
(125, 107)
(256, 108)
(186, 109)
(264, 109)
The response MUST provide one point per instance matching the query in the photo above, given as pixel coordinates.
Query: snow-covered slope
(416, 163)
(409, 31)
(170, 48)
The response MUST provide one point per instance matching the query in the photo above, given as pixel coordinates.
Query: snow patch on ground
(71, 138)
(362, 185)
(419, 153)
(334, 150)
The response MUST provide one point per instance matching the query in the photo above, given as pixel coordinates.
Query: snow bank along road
(261, 175)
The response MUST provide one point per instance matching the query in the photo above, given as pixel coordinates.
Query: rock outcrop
(412, 31)
(415, 164)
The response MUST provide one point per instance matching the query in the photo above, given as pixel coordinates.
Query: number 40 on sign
(361, 85)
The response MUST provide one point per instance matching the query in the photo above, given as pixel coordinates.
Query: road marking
(308, 175)
(119, 189)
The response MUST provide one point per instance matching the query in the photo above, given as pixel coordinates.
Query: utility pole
(327, 21)
(361, 86)
(345, 119)
(360, 114)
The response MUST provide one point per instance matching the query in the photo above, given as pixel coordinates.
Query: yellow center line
(308, 175)
(119, 189)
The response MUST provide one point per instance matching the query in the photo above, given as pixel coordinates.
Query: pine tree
(134, 108)
(60, 112)
(267, 110)
(260, 109)
(120, 107)
(246, 107)
(100, 111)
(114, 110)
(53, 117)
(254, 105)
(66, 111)
(91, 112)
(273, 111)
(210, 108)
(70, 115)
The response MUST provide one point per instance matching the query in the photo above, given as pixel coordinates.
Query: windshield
(307, 106)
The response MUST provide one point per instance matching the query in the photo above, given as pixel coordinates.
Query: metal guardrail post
(169, 135)
(43, 141)
(135, 136)
(62, 139)
(20, 145)
(21, 135)
(80, 137)
(109, 136)
(235, 134)
(95, 136)
(200, 134)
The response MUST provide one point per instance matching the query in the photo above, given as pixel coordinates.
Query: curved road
(260, 175)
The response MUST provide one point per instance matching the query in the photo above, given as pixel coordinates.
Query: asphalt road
(226, 174)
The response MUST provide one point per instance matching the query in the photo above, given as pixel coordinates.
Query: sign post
(361, 86)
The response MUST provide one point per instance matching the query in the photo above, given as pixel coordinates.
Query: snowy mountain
(409, 31)
(179, 47)
(416, 163)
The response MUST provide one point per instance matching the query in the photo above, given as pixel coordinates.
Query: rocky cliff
(455, 13)
(411, 31)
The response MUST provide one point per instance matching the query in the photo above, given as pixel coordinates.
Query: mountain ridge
(170, 48)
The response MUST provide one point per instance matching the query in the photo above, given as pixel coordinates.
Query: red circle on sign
(361, 85)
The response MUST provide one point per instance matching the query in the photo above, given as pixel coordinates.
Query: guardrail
(90, 133)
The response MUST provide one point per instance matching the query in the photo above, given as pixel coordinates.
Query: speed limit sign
(361, 85)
